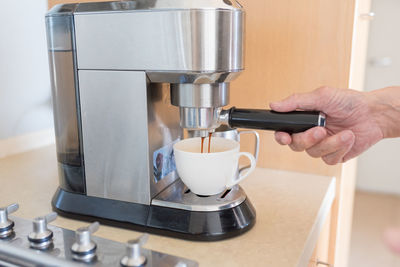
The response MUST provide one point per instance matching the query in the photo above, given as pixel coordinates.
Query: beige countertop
(291, 208)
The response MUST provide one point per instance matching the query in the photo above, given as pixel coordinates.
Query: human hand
(351, 127)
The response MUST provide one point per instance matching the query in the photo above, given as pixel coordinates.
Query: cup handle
(256, 147)
(242, 176)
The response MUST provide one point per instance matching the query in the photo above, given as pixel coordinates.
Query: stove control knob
(84, 249)
(134, 256)
(42, 237)
(6, 225)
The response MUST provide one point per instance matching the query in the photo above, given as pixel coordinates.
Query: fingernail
(346, 136)
(285, 140)
(318, 134)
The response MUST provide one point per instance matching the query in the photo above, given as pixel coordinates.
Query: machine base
(185, 224)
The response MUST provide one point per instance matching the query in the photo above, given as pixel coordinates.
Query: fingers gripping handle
(290, 122)
(243, 174)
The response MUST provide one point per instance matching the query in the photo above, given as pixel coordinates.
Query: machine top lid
(143, 5)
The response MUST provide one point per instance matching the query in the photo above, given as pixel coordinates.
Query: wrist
(384, 106)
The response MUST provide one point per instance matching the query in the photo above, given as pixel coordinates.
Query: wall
(25, 101)
(378, 168)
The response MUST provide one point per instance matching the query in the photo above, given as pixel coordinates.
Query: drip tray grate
(178, 196)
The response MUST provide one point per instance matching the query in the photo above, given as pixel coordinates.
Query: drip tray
(178, 196)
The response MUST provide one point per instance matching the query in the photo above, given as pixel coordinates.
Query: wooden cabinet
(321, 251)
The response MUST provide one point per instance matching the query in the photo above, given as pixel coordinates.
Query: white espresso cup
(210, 173)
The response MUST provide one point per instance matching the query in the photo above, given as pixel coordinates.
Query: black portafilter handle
(263, 119)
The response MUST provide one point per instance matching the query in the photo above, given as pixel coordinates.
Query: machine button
(6, 225)
(134, 256)
(41, 237)
(84, 249)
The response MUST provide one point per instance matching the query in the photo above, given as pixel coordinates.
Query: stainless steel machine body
(126, 78)
(122, 58)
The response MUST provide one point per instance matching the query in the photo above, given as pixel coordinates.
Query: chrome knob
(42, 237)
(84, 249)
(6, 225)
(134, 256)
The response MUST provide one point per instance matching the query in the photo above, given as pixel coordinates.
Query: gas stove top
(35, 243)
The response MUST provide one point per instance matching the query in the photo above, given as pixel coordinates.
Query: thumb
(305, 101)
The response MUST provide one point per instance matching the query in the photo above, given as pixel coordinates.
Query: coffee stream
(209, 142)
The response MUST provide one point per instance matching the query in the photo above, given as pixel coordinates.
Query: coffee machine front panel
(173, 40)
(115, 135)
(129, 127)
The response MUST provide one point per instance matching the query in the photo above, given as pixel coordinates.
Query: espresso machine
(129, 78)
